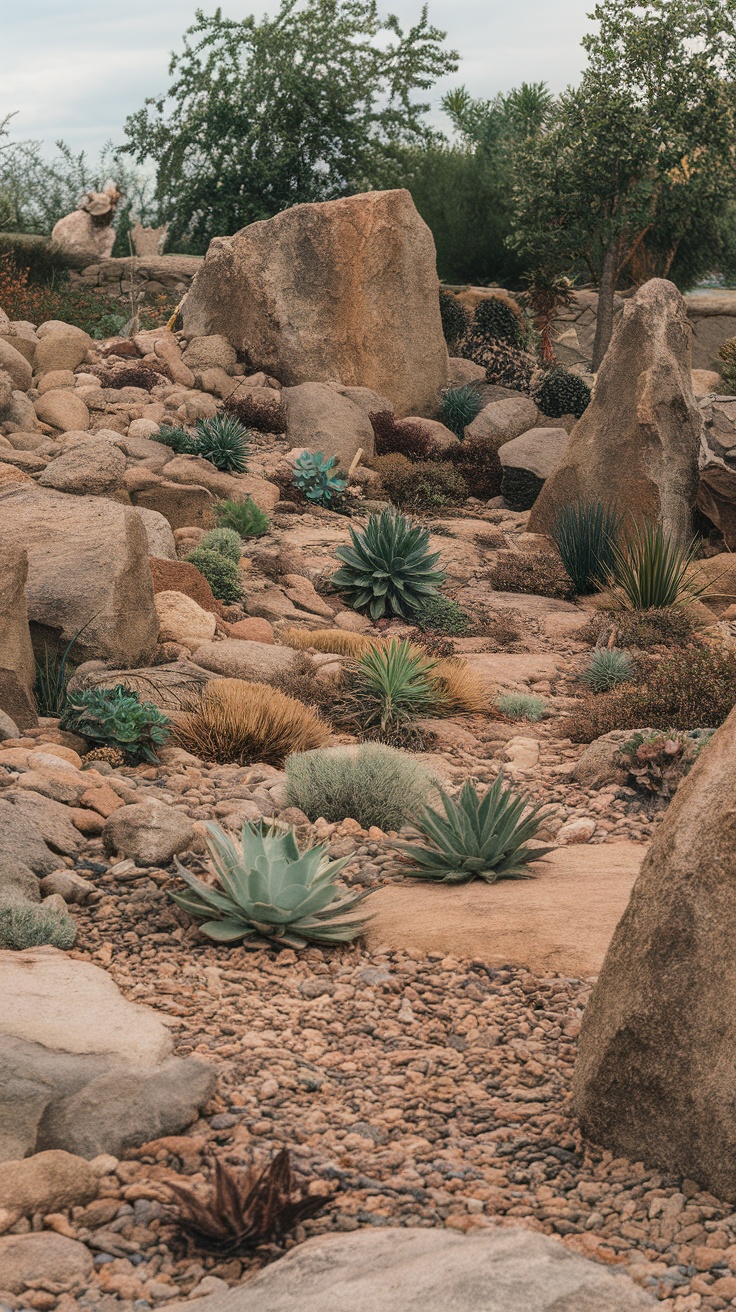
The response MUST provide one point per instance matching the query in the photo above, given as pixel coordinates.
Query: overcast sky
(75, 68)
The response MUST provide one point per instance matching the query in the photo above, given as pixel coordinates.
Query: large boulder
(344, 290)
(82, 1069)
(319, 418)
(62, 409)
(17, 664)
(527, 462)
(93, 467)
(410, 1269)
(88, 574)
(258, 662)
(43, 1256)
(637, 443)
(655, 1078)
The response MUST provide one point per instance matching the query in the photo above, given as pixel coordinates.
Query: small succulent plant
(388, 569)
(477, 837)
(224, 442)
(313, 475)
(244, 517)
(267, 889)
(221, 573)
(460, 405)
(224, 540)
(116, 717)
(562, 393)
(607, 669)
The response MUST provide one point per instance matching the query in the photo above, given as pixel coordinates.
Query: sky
(75, 68)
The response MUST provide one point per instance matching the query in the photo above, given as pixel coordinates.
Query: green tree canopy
(262, 114)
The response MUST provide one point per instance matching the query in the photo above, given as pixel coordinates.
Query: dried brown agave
(245, 1208)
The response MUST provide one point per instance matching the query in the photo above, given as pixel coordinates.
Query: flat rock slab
(509, 670)
(561, 921)
(431, 1270)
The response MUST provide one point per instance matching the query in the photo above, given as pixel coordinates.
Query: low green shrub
(460, 405)
(522, 706)
(116, 717)
(585, 535)
(373, 784)
(244, 517)
(35, 925)
(224, 540)
(222, 574)
(560, 392)
(422, 485)
(499, 319)
(607, 669)
(180, 440)
(442, 615)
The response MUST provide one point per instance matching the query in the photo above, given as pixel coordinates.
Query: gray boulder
(320, 418)
(503, 420)
(150, 833)
(527, 462)
(411, 1269)
(81, 1068)
(93, 467)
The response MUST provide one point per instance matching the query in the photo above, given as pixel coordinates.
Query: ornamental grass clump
(373, 784)
(522, 706)
(244, 517)
(339, 641)
(607, 669)
(460, 405)
(117, 718)
(388, 569)
(651, 570)
(460, 690)
(266, 889)
(585, 535)
(241, 722)
(224, 540)
(475, 837)
(34, 925)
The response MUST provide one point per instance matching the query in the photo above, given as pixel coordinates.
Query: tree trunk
(606, 294)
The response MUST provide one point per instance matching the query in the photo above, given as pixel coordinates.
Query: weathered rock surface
(431, 1270)
(321, 419)
(151, 833)
(88, 573)
(637, 443)
(236, 659)
(62, 350)
(18, 834)
(13, 362)
(656, 1069)
(18, 883)
(342, 290)
(62, 409)
(503, 420)
(47, 1182)
(44, 1256)
(94, 468)
(181, 620)
(82, 1069)
(159, 533)
(17, 664)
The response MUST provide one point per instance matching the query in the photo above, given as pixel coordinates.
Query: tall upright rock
(655, 1078)
(340, 291)
(637, 443)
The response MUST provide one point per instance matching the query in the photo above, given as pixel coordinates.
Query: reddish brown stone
(180, 576)
(252, 629)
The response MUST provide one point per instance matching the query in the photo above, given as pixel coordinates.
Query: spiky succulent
(224, 442)
(454, 318)
(313, 475)
(224, 540)
(388, 569)
(267, 889)
(585, 535)
(116, 717)
(607, 669)
(477, 837)
(394, 684)
(245, 517)
(460, 405)
(560, 393)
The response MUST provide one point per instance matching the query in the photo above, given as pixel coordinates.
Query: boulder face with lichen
(638, 442)
(343, 290)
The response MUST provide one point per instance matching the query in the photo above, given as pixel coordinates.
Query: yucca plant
(267, 889)
(607, 669)
(393, 684)
(116, 717)
(224, 540)
(245, 517)
(388, 569)
(245, 1209)
(585, 535)
(649, 570)
(224, 442)
(460, 405)
(476, 837)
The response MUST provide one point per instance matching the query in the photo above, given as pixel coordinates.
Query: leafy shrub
(423, 485)
(693, 688)
(478, 461)
(116, 717)
(222, 574)
(585, 536)
(388, 569)
(727, 353)
(655, 762)
(651, 571)
(442, 615)
(180, 440)
(313, 475)
(499, 319)
(372, 783)
(224, 442)
(267, 889)
(560, 393)
(265, 414)
(454, 317)
(339, 641)
(477, 837)
(246, 722)
(34, 926)
(667, 626)
(607, 669)
(522, 706)
(400, 437)
(393, 685)
(244, 517)
(539, 572)
(224, 540)
(460, 405)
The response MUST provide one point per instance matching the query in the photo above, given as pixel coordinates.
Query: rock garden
(366, 794)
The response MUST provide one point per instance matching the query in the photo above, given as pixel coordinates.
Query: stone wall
(154, 275)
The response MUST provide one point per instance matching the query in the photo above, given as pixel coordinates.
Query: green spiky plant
(221, 573)
(116, 717)
(53, 672)
(180, 440)
(224, 442)
(476, 837)
(244, 517)
(224, 540)
(460, 405)
(523, 706)
(650, 570)
(314, 476)
(562, 393)
(585, 535)
(393, 685)
(267, 889)
(388, 569)
(607, 669)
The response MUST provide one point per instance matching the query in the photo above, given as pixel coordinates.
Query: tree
(639, 159)
(305, 106)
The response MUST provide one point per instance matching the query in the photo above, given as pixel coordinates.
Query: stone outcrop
(82, 1069)
(345, 290)
(637, 444)
(17, 664)
(656, 1069)
(87, 570)
(319, 418)
(527, 462)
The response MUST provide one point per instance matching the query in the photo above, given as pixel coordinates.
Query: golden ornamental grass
(244, 722)
(339, 641)
(462, 690)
